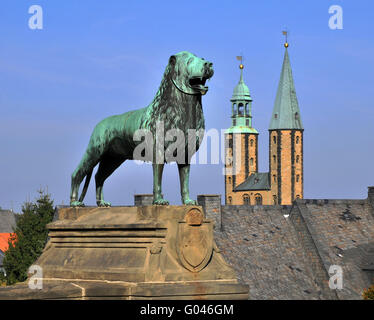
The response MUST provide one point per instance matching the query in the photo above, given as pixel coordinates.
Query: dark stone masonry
(285, 252)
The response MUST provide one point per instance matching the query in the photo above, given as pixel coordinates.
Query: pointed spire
(286, 112)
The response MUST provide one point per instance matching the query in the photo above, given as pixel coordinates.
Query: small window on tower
(230, 142)
(275, 199)
(229, 179)
(274, 178)
(251, 161)
(251, 142)
(276, 115)
(275, 159)
(297, 159)
(229, 199)
(234, 122)
(297, 178)
(247, 122)
(297, 139)
(274, 139)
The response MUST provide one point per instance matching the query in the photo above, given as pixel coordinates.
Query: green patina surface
(177, 105)
(286, 112)
(241, 108)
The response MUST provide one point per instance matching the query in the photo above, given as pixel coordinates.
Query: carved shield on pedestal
(195, 241)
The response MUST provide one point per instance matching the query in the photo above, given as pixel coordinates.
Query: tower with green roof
(286, 140)
(242, 140)
(283, 183)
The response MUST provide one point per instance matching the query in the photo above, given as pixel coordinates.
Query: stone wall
(212, 207)
(143, 199)
(371, 196)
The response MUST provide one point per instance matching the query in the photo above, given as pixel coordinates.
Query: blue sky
(94, 59)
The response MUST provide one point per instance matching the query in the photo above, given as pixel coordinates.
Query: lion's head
(189, 72)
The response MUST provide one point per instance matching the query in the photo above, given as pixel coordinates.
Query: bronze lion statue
(176, 105)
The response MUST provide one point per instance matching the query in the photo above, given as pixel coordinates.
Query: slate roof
(256, 181)
(286, 112)
(285, 252)
(7, 221)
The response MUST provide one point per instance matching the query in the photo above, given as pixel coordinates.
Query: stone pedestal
(149, 252)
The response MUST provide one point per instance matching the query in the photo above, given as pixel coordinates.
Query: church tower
(241, 148)
(286, 140)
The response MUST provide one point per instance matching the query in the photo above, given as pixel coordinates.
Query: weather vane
(240, 58)
(285, 33)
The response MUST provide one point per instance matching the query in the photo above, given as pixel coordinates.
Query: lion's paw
(189, 202)
(103, 203)
(162, 202)
(76, 204)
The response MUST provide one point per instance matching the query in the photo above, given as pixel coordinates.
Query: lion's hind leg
(84, 169)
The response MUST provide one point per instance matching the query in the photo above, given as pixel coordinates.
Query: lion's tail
(85, 187)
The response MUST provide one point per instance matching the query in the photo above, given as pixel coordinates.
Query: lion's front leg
(184, 176)
(157, 184)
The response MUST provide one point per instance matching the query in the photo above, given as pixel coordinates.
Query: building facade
(244, 184)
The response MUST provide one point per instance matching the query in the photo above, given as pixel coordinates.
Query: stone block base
(147, 252)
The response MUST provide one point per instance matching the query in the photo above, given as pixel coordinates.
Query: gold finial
(285, 33)
(240, 58)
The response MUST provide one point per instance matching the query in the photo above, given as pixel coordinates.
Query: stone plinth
(149, 252)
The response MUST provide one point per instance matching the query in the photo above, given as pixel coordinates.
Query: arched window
(229, 199)
(298, 196)
(258, 199)
(234, 108)
(275, 199)
(251, 142)
(251, 161)
(274, 139)
(297, 158)
(297, 178)
(229, 180)
(274, 178)
(274, 158)
(246, 200)
(297, 139)
(240, 109)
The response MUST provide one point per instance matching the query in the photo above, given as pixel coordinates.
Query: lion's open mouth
(198, 83)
